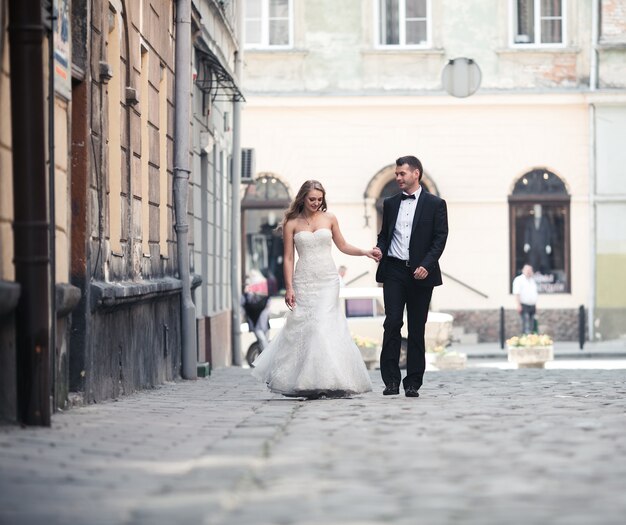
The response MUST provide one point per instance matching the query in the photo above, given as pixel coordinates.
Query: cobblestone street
(480, 446)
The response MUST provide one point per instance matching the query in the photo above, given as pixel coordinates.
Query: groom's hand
(420, 273)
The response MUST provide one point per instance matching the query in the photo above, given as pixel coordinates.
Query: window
(262, 208)
(268, 23)
(539, 215)
(360, 307)
(404, 23)
(538, 22)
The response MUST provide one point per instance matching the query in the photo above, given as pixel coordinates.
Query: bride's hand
(290, 299)
(373, 254)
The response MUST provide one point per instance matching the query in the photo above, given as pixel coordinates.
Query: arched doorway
(262, 207)
(539, 208)
(383, 185)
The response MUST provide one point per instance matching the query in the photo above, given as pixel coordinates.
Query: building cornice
(483, 98)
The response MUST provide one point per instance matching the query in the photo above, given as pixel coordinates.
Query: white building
(336, 91)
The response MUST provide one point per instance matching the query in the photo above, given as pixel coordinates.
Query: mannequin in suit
(411, 240)
(537, 240)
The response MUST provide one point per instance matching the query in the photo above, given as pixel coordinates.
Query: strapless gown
(314, 354)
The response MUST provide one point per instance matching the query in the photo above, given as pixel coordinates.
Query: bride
(314, 354)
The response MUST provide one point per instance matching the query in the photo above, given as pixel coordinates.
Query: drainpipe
(129, 156)
(235, 234)
(593, 57)
(181, 185)
(52, 209)
(30, 222)
(593, 85)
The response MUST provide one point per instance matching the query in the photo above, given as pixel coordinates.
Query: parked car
(365, 313)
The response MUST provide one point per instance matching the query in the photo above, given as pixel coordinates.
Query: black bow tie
(405, 196)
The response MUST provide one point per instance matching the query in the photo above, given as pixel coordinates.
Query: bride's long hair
(297, 205)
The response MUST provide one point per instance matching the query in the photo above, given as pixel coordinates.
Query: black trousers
(401, 290)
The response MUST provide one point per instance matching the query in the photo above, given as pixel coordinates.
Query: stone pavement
(480, 446)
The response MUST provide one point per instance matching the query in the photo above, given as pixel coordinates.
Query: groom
(411, 240)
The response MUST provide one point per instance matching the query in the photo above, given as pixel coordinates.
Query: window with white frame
(538, 22)
(268, 23)
(403, 23)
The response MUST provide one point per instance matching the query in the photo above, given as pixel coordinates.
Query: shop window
(539, 219)
(263, 206)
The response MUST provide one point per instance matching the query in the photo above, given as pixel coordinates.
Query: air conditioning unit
(247, 165)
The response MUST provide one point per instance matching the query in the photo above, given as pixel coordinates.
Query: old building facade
(128, 178)
(513, 106)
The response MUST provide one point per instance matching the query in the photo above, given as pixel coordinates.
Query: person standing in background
(525, 291)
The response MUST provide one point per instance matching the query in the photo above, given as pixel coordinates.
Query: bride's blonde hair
(297, 205)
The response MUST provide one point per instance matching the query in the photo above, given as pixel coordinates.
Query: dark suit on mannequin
(428, 237)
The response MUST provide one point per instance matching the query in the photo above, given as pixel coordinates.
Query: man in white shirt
(525, 291)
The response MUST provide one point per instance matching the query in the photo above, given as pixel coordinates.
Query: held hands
(373, 254)
(290, 299)
(420, 273)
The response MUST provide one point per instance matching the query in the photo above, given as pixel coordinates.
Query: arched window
(539, 208)
(391, 188)
(262, 207)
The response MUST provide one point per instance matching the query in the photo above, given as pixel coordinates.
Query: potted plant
(530, 350)
(444, 359)
(369, 349)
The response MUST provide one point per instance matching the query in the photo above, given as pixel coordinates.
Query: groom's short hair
(413, 162)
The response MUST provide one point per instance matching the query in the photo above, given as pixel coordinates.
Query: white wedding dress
(314, 354)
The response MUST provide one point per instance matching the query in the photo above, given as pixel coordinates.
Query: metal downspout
(235, 241)
(52, 210)
(30, 223)
(593, 85)
(181, 185)
(129, 156)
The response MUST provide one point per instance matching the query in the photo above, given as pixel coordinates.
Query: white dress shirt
(399, 246)
(526, 288)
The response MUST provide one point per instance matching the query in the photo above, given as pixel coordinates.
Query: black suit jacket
(428, 235)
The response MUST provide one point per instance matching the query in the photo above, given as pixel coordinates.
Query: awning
(215, 80)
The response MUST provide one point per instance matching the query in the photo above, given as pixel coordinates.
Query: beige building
(528, 164)
(116, 198)
(33, 367)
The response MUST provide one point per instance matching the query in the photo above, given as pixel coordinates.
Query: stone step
(459, 335)
(467, 339)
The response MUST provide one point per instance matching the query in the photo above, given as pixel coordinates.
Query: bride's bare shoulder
(329, 216)
(289, 226)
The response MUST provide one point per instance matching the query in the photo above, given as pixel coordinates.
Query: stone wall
(131, 347)
(560, 324)
(8, 384)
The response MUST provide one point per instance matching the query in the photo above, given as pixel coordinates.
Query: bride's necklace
(305, 219)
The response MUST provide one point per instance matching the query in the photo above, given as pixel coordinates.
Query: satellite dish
(461, 77)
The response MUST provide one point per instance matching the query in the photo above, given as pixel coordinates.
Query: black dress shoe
(411, 392)
(392, 389)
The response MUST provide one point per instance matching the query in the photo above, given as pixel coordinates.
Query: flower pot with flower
(442, 359)
(530, 350)
(369, 349)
